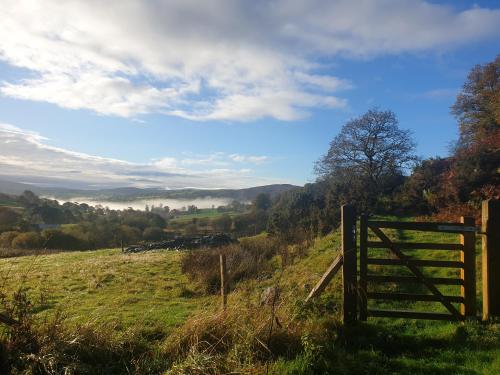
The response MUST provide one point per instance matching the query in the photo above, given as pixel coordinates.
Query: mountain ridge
(134, 193)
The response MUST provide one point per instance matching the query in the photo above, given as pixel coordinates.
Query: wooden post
(349, 270)
(223, 280)
(468, 272)
(491, 258)
(363, 256)
(326, 278)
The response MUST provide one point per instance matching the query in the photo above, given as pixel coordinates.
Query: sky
(222, 94)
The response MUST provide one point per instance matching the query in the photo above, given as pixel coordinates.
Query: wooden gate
(401, 255)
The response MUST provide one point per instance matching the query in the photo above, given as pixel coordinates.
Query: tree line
(372, 163)
(31, 222)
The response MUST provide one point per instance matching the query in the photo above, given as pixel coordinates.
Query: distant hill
(132, 193)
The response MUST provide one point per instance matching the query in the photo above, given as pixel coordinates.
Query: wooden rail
(466, 231)
(326, 278)
(466, 264)
(413, 279)
(416, 262)
(417, 246)
(409, 314)
(424, 226)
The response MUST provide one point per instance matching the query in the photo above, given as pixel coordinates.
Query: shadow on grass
(377, 349)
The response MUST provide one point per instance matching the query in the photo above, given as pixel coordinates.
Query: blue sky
(222, 94)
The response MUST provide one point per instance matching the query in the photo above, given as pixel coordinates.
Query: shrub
(7, 237)
(8, 218)
(246, 260)
(152, 234)
(240, 340)
(56, 239)
(222, 223)
(28, 240)
(130, 234)
(191, 229)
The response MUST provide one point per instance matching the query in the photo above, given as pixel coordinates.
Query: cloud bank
(213, 60)
(26, 157)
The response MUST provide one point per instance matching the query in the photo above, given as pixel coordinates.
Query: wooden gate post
(363, 267)
(468, 272)
(223, 281)
(491, 258)
(349, 270)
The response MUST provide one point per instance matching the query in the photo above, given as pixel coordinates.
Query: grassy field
(202, 213)
(149, 291)
(402, 346)
(106, 285)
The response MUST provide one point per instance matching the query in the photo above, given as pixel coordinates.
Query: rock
(270, 295)
(184, 242)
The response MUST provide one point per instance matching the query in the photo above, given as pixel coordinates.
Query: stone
(184, 242)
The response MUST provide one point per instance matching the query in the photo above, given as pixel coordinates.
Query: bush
(7, 237)
(248, 259)
(56, 239)
(222, 223)
(243, 340)
(251, 223)
(8, 218)
(28, 240)
(130, 234)
(152, 234)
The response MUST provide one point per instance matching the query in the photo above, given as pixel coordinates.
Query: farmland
(149, 294)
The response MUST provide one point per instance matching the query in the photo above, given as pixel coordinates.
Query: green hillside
(175, 323)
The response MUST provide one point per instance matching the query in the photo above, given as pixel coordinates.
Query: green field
(202, 213)
(149, 292)
(106, 286)
(381, 345)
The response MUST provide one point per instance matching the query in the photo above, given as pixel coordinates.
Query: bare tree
(369, 151)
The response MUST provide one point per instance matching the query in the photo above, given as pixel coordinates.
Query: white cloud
(26, 155)
(443, 93)
(249, 158)
(214, 59)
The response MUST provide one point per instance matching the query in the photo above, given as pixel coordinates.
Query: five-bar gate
(402, 254)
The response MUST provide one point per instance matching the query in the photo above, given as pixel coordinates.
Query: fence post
(223, 281)
(468, 272)
(363, 256)
(349, 270)
(491, 258)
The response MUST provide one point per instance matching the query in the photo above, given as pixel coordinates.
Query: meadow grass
(149, 292)
(402, 346)
(106, 286)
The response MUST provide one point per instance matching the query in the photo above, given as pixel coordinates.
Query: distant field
(202, 213)
(12, 204)
(106, 285)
